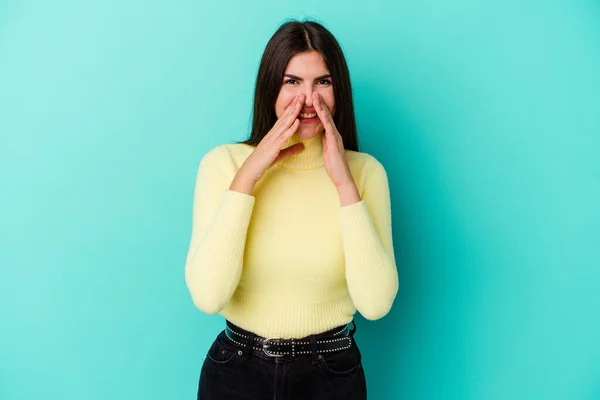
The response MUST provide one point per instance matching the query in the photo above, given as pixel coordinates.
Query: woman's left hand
(334, 155)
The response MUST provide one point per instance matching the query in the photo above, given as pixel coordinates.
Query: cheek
(284, 99)
(329, 101)
(327, 95)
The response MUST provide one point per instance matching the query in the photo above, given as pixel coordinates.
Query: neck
(309, 158)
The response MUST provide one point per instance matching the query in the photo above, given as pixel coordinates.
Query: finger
(338, 137)
(328, 124)
(289, 132)
(290, 107)
(286, 134)
(282, 120)
(295, 110)
(283, 138)
(293, 114)
(289, 151)
(323, 115)
(326, 109)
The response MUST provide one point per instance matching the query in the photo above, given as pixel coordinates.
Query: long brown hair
(291, 38)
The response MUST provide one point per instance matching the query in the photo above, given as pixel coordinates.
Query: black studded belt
(277, 347)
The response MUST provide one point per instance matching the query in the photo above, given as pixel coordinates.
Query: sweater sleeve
(219, 227)
(366, 227)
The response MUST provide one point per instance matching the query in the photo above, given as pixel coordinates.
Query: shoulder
(226, 157)
(368, 172)
(226, 150)
(364, 164)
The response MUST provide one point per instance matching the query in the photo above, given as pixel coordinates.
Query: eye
(326, 81)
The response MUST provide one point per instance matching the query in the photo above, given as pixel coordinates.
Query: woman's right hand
(268, 152)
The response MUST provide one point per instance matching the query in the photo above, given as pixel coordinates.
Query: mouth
(308, 115)
(308, 118)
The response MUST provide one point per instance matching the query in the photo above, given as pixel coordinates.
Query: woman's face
(306, 73)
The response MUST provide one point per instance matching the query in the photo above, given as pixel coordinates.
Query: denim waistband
(247, 350)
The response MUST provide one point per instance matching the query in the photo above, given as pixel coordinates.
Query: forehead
(307, 64)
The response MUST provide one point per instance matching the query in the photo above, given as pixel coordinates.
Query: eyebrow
(298, 78)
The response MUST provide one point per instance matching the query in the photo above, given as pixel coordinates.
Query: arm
(220, 224)
(366, 226)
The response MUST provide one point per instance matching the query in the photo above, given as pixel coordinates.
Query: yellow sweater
(289, 261)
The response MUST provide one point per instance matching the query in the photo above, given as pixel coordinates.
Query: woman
(292, 233)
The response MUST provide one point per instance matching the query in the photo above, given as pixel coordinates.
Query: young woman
(292, 234)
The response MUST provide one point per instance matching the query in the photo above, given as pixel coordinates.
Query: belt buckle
(267, 352)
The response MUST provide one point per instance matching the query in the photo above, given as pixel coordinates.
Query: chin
(308, 133)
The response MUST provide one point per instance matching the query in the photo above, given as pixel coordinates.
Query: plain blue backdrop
(486, 116)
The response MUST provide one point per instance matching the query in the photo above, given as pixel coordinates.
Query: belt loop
(313, 346)
(353, 329)
(249, 345)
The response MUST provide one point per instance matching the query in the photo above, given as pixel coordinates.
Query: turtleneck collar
(309, 158)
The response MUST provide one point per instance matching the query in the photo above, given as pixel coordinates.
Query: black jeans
(229, 373)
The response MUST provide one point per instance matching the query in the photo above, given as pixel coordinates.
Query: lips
(305, 115)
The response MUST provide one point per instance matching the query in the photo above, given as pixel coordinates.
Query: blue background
(485, 115)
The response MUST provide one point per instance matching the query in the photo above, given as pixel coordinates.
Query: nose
(308, 97)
